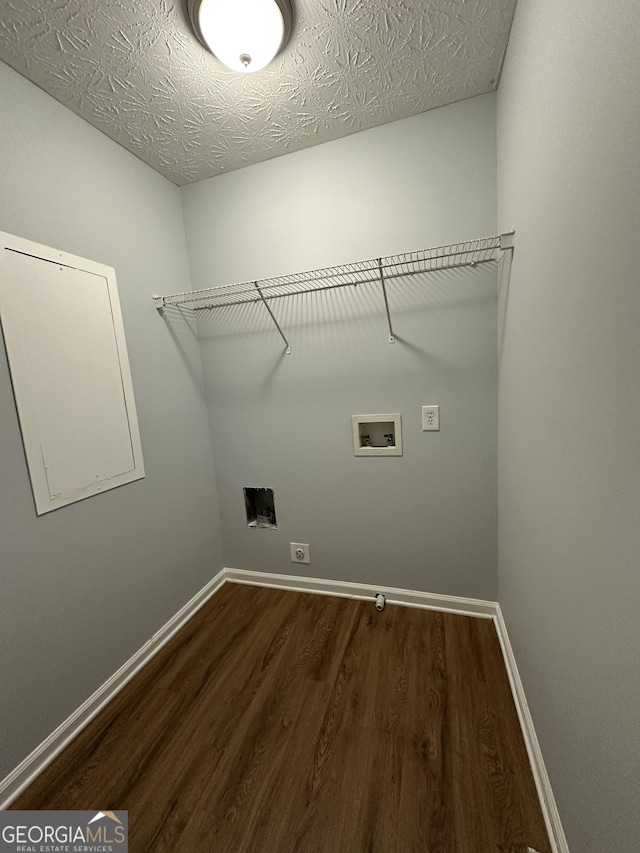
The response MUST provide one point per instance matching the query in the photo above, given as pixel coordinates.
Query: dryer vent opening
(261, 511)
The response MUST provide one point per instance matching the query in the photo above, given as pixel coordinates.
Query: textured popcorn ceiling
(134, 70)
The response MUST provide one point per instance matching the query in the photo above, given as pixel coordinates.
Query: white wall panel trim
(67, 353)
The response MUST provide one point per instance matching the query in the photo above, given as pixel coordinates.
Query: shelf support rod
(392, 337)
(273, 317)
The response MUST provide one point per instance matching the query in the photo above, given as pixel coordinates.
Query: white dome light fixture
(245, 35)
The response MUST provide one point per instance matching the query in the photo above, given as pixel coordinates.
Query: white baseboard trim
(33, 765)
(347, 589)
(552, 820)
(20, 778)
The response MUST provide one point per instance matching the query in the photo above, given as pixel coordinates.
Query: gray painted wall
(569, 178)
(426, 520)
(85, 586)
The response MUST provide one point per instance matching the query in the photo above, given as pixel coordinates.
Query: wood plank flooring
(282, 722)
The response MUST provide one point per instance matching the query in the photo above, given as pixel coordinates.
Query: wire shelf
(379, 270)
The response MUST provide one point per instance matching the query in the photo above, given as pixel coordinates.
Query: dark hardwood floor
(282, 722)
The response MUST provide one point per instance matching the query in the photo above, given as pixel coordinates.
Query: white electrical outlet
(430, 418)
(299, 552)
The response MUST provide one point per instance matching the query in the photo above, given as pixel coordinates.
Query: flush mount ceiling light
(244, 34)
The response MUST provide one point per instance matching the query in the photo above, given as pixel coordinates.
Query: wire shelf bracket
(273, 317)
(380, 271)
(392, 337)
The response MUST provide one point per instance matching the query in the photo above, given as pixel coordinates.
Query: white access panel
(67, 354)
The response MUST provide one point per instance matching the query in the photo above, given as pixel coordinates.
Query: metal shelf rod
(281, 295)
(374, 280)
(430, 259)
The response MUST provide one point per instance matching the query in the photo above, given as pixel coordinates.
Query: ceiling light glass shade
(244, 34)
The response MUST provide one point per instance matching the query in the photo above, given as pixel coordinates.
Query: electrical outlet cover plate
(300, 552)
(431, 418)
